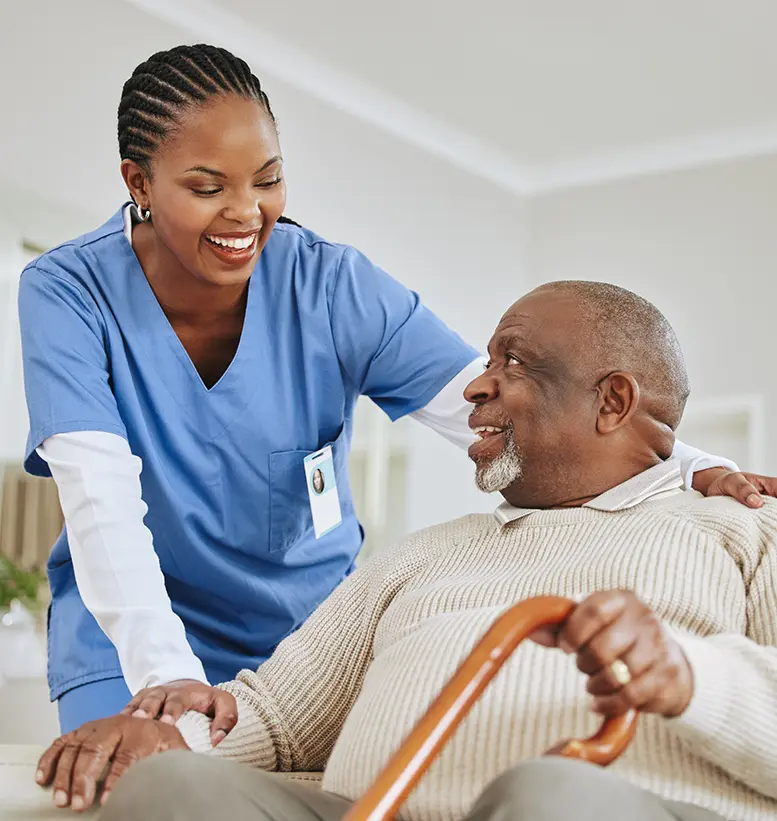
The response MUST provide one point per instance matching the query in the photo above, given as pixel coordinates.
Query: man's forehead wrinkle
(518, 328)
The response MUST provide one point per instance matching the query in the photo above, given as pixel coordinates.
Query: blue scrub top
(223, 473)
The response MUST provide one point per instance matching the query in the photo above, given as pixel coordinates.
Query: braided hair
(169, 82)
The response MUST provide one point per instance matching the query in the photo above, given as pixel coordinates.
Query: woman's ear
(618, 401)
(136, 180)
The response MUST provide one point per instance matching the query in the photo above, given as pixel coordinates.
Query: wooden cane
(419, 749)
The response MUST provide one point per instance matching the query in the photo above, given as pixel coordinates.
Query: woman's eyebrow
(202, 169)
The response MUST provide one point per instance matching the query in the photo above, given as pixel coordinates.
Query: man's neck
(558, 489)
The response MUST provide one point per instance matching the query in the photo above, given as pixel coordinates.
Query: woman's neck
(184, 298)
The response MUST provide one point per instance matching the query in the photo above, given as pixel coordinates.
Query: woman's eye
(269, 184)
(206, 192)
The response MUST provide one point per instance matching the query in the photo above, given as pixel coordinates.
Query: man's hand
(616, 627)
(75, 762)
(169, 702)
(746, 488)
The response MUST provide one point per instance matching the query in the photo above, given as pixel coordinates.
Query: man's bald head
(625, 332)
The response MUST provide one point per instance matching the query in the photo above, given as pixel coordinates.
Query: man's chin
(497, 475)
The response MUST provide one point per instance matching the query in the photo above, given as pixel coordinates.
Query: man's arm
(291, 710)
(732, 718)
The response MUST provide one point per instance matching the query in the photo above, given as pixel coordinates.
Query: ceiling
(529, 95)
(547, 80)
(533, 95)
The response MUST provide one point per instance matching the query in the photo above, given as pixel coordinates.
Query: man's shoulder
(726, 517)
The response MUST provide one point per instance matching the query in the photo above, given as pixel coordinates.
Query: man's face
(533, 414)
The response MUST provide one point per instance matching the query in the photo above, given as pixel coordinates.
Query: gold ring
(620, 672)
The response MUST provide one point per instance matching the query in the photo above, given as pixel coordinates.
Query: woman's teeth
(238, 243)
(486, 430)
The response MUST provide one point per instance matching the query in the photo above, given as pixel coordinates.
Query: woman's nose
(244, 208)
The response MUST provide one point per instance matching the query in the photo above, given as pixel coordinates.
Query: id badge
(322, 491)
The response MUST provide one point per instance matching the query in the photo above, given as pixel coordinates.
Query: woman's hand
(74, 763)
(168, 702)
(746, 488)
(631, 661)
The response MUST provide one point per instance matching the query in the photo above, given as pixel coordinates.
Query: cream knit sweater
(345, 690)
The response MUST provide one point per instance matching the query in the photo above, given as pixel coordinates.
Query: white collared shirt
(664, 479)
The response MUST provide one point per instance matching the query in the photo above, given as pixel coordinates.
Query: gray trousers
(181, 786)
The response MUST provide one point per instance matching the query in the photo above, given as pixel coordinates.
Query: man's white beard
(502, 471)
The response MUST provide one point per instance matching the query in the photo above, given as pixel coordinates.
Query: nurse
(191, 370)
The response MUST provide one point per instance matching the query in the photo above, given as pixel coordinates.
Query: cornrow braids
(168, 83)
(164, 86)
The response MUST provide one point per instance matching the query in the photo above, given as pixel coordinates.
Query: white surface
(21, 799)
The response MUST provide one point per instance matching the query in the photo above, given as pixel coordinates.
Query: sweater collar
(662, 479)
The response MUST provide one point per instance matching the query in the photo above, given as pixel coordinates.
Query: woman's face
(216, 189)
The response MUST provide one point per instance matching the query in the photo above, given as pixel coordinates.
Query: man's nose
(482, 389)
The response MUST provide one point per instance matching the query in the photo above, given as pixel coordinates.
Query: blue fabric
(88, 702)
(223, 473)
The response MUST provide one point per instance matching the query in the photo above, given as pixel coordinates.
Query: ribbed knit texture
(345, 690)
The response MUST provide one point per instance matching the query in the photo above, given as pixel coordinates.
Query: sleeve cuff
(183, 669)
(705, 462)
(249, 742)
(714, 691)
(195, 729)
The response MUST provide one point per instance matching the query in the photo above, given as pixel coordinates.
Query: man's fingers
(588, 618)
(639, 658)
(639, 692)
(225, 716)
(47, 765)
(612, 642)
(64, 772)
(546, 636)
(89, 766)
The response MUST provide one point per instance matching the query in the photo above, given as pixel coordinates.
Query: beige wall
(701, 245)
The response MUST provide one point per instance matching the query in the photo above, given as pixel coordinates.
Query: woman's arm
(116, 568)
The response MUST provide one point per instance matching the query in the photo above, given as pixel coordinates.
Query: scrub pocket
(290, 517)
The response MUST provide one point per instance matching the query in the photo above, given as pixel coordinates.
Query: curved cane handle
(411, 761)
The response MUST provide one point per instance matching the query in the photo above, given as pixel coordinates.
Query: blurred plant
(17, 583)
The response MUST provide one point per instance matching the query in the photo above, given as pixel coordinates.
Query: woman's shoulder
(292, 234)
(70, 272)
(73, 261)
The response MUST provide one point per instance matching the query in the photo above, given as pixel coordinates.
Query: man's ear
(618, 401)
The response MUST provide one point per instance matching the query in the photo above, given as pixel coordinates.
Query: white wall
(702, 246)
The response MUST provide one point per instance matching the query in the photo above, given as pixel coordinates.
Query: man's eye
(512, 360)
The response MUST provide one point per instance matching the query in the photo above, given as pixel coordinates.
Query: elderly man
(575, 417)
